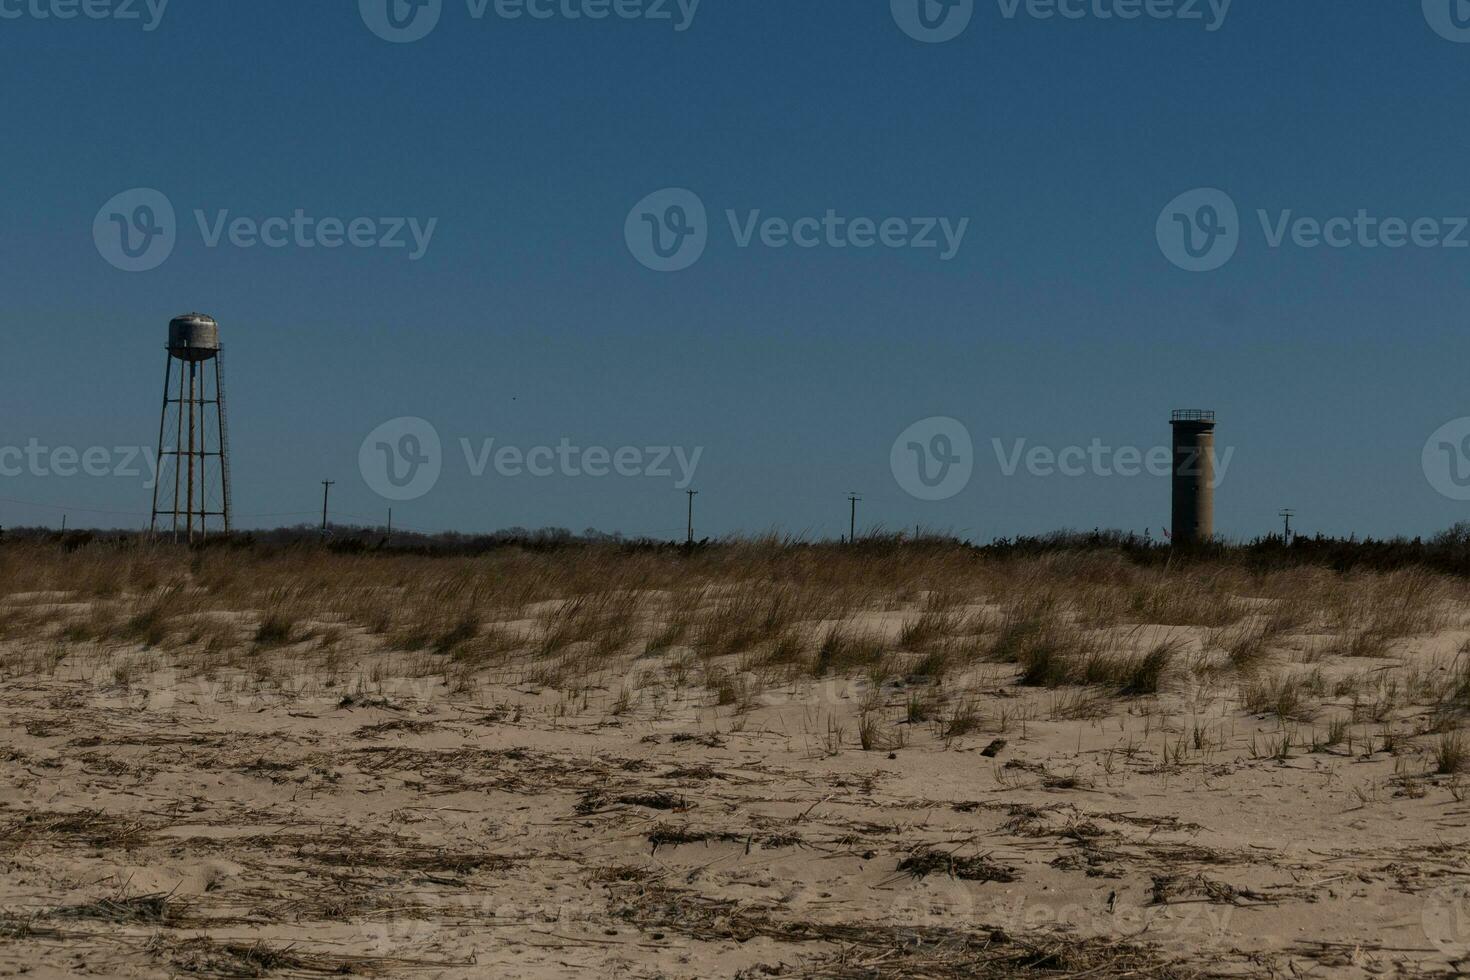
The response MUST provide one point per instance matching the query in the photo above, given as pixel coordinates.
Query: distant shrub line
(1447, 552)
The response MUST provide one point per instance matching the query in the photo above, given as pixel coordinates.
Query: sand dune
(742, 765)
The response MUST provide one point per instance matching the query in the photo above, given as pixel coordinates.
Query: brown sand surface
(214, 798)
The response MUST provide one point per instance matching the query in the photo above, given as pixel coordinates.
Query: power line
(131, 513)
(81, 510)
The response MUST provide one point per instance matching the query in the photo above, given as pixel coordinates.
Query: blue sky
(1059, 320)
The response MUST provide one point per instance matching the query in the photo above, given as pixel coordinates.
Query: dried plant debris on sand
(975, 868)
(903, 758)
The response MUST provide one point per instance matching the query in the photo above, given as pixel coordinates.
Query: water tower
(1194, 477)
(194, 415)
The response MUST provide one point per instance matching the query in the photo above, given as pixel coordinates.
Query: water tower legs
(193, 341)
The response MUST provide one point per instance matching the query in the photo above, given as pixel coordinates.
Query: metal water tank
(193, 337)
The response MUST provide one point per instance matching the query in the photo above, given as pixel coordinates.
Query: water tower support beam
(168, 368)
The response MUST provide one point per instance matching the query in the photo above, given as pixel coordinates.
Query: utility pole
(692, 495)
(1286, 515)
(852, 499)
(390, 522)
(326, 490)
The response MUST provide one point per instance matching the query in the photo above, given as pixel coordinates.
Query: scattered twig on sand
(923, 863)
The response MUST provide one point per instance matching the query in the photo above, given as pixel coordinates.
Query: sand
(357, 822)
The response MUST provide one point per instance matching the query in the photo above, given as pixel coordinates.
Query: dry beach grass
(756, 759)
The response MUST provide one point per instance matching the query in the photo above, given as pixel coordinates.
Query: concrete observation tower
(1194, 477)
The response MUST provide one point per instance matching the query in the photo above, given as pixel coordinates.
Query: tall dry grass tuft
(928, 629)
(154, 616)
(1451, 754)
(599, 625)
(844, 649)
(1283, 695)
(1369, 612)
(1144, 674)
(1457, 690)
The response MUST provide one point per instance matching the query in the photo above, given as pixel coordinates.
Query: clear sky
(533, 144)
